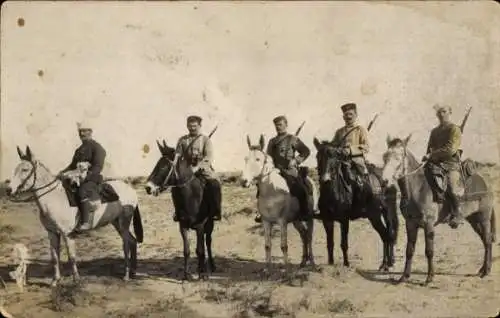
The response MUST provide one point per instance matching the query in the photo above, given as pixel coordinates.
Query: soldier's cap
(84, 125)
(439, 107)
(194, 118)
(348, 106)
(279, 118)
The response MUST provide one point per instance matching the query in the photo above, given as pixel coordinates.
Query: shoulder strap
(348, 133)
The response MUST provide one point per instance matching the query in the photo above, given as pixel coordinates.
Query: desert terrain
(236, 289)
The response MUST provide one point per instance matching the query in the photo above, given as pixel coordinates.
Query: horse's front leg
(185, 241)
(344, 243)
(429, 250)
(329, 226)
(267, 244)
(284, 244)
(411, 241)
(55, 252)
(71, 250)
(200, 253)
(385, 237)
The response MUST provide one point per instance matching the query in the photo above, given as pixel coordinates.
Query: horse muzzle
(152, 189)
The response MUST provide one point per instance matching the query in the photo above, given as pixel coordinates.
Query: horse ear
(164, 144)
(388, 140)
(20, 153)
(29, 154)
(159, 146)
(316, 142)
(407, 139)
(249, 143)
(262, 142)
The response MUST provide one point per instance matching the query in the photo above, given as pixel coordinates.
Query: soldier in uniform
(443, 162)
(352, 141)
(88, 192)
(200, 156)
(282, 149)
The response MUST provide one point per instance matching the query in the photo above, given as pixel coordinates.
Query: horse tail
(138, 230)
(493, 226)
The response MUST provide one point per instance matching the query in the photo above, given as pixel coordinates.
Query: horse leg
(429, 250)
(200, 253)
(411, 241)
(483, 229)
(185, 241)
(208, 232)
(384, 236)
(118, 225)
(303, 237)
(344, 243)
(71, 250)
(309, 237)
(55, 252)
(267, 244)
(329, 226)
(284, 244)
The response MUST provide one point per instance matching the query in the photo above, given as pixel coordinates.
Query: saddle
(107, 193)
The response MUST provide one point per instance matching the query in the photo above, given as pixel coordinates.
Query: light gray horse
(276, 204)
(477, 207)
(33, 179)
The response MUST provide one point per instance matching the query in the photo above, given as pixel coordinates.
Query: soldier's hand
(292, 163)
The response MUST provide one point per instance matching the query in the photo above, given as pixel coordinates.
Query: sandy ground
(236, 288)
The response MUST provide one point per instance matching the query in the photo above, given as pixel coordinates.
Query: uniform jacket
(356, 141)
(444, 143)
(199, 154)
(92, 152)
(282, 149)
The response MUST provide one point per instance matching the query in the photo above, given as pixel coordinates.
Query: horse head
(256, 162)
(326, 159)
(395, 159)
(24, 176)
(162, 171)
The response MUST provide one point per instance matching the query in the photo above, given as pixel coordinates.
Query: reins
(33, 189)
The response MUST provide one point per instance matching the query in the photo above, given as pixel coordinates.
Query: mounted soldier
(283, 148)
(352, 143)
(90, 151)
(197, 150)
(442, 169)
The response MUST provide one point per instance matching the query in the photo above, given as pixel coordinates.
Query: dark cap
(279, 118)
(348, 106)
(194, 118)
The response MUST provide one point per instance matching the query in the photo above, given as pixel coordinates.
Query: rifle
(372, 122)
(464, 121)
(300, 128)
(192, 142)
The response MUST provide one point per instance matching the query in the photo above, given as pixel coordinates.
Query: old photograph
(249, 159)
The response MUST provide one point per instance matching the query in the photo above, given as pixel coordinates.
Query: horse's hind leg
(200, 253)
(483, 229)
(208, 232)
(267, 244)
(303, 237)
(329, 226)
(309, 239)
(125, 245)
(429, 250)
(411, 241)
(284, 243)
(344, 242)
(55, 252)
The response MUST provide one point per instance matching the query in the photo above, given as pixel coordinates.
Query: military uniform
(354, 138)
(282, 149)
(88, 191)
(197, 150)
(443, 164)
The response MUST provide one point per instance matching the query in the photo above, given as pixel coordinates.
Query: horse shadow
(108, 270)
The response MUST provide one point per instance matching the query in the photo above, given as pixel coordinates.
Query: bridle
(262, 174)
(402, 165)
(32, 188)
(173, 171)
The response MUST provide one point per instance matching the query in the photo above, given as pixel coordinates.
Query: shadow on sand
(236, 270)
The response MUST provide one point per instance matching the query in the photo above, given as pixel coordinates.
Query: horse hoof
(133, 275)
(302, 264)
(203, 276)
(331, 263)
(54, 282)
(383, 268)
(402, 279)
(187, 277)
(347, 264)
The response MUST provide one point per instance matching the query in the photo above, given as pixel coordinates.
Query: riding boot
(456, 216)
(86, 211)
(216, 196)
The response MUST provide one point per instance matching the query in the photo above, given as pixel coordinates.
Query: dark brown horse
(336, 203)
(191, 203)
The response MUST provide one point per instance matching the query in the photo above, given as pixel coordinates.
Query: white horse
(276, 204)
(60, 219)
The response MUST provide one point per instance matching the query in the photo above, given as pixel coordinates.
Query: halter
(262, 175)
(32, 188)
(164, 186)
(403, 163)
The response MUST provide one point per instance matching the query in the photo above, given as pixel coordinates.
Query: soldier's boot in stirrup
(87, 212)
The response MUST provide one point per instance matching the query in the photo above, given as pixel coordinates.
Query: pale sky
(138, 69)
